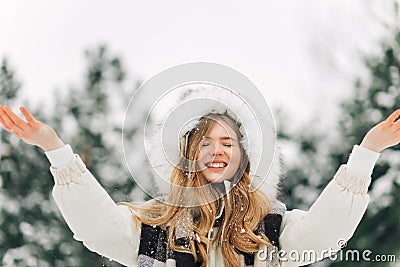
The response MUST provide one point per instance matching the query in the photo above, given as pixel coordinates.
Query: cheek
(236, 157)
(200, 155)
(200, 159)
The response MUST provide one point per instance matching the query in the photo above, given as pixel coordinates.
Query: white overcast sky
(300, 54)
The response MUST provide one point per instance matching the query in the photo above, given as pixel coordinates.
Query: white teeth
(216, 165)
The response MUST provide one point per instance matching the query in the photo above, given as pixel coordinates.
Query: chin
(218, 179)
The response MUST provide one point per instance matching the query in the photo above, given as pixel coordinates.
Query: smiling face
(219, 153)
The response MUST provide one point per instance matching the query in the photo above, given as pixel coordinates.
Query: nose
(219, 149)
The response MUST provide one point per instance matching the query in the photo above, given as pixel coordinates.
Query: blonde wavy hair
(244, 207)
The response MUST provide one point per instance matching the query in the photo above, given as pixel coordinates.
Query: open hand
(31, 131)
(383, 135)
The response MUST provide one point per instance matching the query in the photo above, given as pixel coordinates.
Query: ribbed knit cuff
(60, 157)
(69, 173)
(355, 184)
(362, 161)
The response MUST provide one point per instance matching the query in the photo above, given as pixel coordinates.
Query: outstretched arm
(335, 215)
(94, 218)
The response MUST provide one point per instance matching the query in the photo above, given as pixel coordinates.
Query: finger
(17, 121)
(8, 119)
(397, 126)
(27, 114)
(4, 120)
(1, 117)
(392, 118)
(4, 124)
(9, 124)
(16, 131)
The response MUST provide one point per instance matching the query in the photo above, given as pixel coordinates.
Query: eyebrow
(223, 138)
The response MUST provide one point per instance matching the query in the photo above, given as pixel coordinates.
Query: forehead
(221, 129)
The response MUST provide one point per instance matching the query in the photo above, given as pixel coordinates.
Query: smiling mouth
(216, 165)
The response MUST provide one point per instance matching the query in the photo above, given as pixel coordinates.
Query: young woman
(228, 221)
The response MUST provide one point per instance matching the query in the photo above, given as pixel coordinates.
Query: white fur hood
(178, 113)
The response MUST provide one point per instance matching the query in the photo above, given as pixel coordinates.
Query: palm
(34, 135)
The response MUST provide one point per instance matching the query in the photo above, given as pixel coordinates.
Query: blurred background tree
(316, 156)
(89, 117)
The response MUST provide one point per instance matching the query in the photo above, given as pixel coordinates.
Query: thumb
(27, 114)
